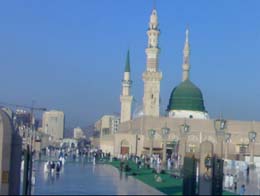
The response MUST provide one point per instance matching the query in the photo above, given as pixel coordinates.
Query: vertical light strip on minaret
(126, 98)
(186, 58)
(152, 76)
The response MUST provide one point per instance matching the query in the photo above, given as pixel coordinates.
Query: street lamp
(136, 141)
(227, 140)
(220, 125)
(151, 133)
(184, 129)
(165, 133)
(252, 137)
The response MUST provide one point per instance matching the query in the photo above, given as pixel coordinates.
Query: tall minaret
(126, 98)
(186, 58)
(152, 76)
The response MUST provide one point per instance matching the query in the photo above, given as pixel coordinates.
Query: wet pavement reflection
(85, 178)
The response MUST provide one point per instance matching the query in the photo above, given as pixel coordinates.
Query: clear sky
(70, 55)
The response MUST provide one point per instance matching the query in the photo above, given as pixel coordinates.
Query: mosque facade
(187, 123)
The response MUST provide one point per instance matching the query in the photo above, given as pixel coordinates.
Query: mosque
(187, 123)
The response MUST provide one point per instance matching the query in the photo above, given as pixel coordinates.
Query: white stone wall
(188, 114)
(200, 130)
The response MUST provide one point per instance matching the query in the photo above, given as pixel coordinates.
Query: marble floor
(80, 178)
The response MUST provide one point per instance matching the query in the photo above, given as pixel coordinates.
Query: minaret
(152, 76)
(186, 58)
(126, 98)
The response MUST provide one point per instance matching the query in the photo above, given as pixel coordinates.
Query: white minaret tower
(186, 58)
(126, 98)
(152, 76)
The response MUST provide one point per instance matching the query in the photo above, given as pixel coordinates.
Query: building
(78, 133)
(53, 124)
(187, 123)
(107, 126)
(10, 156)
(23, 117)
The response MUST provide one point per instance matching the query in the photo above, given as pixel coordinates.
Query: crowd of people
(52, 166)
(231, 181)
(145, 161)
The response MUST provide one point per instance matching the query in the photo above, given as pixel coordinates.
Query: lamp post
(220, 126)
(136, 141)
(227, 140)
(184, 129)
(252, 137)
(151, 133)
(165, 133)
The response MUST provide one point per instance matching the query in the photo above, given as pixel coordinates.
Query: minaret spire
(126, 98)
(186, 57)
(127, 63)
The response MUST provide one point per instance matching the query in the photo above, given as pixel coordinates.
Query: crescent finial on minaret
(187, 34)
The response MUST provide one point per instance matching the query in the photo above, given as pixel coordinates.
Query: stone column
(226, 150)
(182, 148)
(252, 138)
(252, 146)
(184, 129)
(227, 140)
(164, 151)
(165, 131)
(136, 144)
(151, 147)
(205, 175)
(219, 146)
(151, 133)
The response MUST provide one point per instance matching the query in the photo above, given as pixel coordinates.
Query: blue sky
(70, 55)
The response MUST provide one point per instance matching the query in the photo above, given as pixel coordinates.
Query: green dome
(186, 96)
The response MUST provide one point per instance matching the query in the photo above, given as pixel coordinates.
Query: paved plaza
(80, 178)
(252, 183)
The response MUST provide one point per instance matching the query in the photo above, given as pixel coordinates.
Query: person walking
(226, 179)
(121, 165)
(94, 159)
(169, 163)
(231, 181)
(151, 162)
(235, 183)
(242, 190)
(247, 171)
